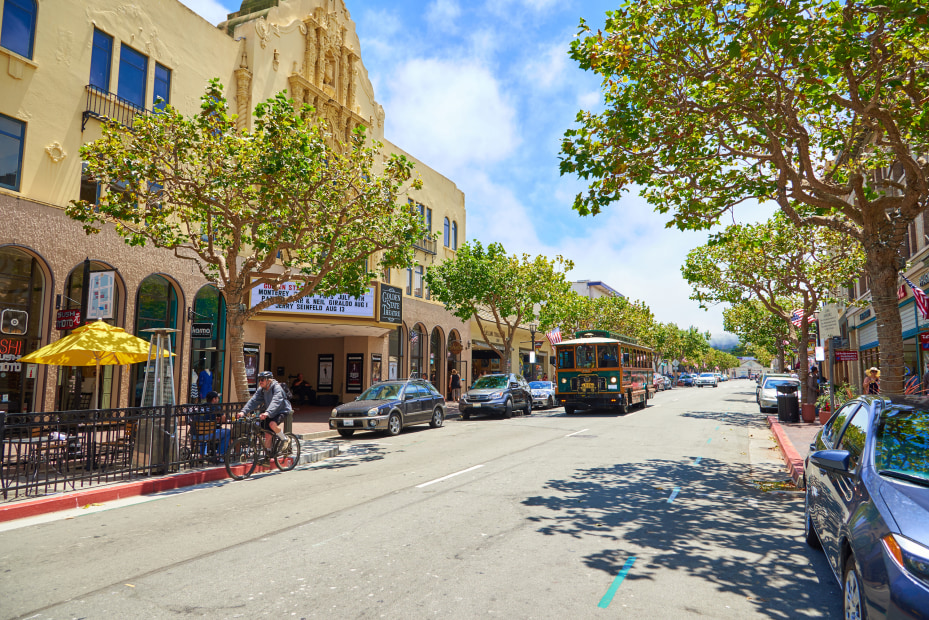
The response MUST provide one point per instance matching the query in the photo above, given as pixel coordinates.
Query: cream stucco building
(64, 65)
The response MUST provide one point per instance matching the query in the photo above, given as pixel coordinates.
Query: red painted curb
(791, 456)
(76, 499)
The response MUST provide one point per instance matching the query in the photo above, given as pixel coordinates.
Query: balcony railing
(106, 105)
(426, 245)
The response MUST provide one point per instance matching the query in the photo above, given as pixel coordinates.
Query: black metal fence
(60, 451)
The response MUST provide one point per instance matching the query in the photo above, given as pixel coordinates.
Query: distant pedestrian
(454, 385)
(872, 383)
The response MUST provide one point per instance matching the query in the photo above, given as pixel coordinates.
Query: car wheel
(394, 424)
(466, 416)
(508, 409)
(437, 418)
(569, 410)
(346, 432)
(528, 409)
(851, 591)
(551, 403)
(809, 532)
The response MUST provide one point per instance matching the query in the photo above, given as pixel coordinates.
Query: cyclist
(269, 398)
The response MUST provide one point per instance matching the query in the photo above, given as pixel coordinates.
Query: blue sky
(482, 91)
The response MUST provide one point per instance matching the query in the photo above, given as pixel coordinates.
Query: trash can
(788, 404)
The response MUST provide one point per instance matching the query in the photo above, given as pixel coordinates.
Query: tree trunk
(780, 357)
(235, 331)
(803, 368)
(882, 268)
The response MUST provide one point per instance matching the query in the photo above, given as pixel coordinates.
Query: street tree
(284, 205)
(573, 312)
(499, 291)
(817, 106)
(784, 267)
(761, 332)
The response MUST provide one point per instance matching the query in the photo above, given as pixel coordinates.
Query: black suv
(497, 393)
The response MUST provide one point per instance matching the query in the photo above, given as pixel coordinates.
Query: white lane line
(457, 473)
(577, 432)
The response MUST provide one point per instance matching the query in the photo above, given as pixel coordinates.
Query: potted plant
(825, 409)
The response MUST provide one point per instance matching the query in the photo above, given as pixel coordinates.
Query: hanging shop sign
(846, 356)
(337, 305)
(924, 341)
(202, 331)
(391, 306)
(100, 295)
(66, 320)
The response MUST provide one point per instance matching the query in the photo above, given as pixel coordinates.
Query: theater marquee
(337, 305)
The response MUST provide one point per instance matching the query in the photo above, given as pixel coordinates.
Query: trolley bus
(602, 370)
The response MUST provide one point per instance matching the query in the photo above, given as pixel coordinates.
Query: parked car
(498, 393)
(685, 380)
(867, 504)
(543, 394)
(658, 382)
(390, 406)
(761, 380)
(767, 395)
(706, 379)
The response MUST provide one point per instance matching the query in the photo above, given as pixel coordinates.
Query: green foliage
(283, 202)
(709, 105)
(572, 312)
(496, 289)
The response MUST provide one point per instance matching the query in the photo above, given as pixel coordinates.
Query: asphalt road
(653, 514)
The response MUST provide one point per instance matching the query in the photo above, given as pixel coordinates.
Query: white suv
(706, 378)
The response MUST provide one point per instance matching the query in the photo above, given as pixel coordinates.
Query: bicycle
(245, 453)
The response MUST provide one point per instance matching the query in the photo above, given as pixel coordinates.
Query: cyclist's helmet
(265, 374)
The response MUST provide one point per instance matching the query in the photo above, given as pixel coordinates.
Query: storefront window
(207, 344)
(435, 358)
(22, 289)
(156, 307)
(395, 351)
(76, 384)
(417, 336)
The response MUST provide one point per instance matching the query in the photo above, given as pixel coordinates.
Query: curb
(76, 499)
(789, 452)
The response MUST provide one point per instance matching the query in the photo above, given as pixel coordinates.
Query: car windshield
(384, 391)
(540, 385)
(708, 374)
(901, 444)
(770, 384)
(490, 382)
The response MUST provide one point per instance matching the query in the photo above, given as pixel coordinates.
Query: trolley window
(608, 356)
(585, 356)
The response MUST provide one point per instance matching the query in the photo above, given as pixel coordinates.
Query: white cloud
(211, 10)
(450, 114)
(546, 68)
(443, 15)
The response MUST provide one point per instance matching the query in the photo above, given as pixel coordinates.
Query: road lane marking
(674, 494)
(709, 440)
(697, 462)
(457, 473)
(608, 597)
(577, 432)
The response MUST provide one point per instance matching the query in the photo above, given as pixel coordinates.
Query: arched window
(18, 33)
(395, 349)
(447, 232)
(156, 306)
(454, 235)
(417, 335)
(22, 322)
(435, 358)
(207, 344)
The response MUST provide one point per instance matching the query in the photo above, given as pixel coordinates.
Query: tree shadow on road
(730, 418)
(743, 541)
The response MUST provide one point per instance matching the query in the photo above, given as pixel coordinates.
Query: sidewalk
(794, 440)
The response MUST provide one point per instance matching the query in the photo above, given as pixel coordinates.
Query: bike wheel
(286, 462)
(241, 458)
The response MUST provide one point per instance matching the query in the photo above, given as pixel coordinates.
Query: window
(608, 356)
(18, 34)
(90, 189)
(162, 88)
(454, 235)
(854, 436)
(831, 430)
(418, 281)
(409, 280)
(566, 358)
(429, 219)
(133, 70)
(100, 59)
(12, 134)
(446, 232)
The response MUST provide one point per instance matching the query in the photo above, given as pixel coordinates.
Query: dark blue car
(867, 504)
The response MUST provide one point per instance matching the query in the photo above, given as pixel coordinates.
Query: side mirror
(832, 460)
(513, 385)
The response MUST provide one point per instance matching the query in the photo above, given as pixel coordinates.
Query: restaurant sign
(67, 319)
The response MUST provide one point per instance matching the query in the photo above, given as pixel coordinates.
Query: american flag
(796, 317)
(414, 336)
(922, 302)
(554, 336)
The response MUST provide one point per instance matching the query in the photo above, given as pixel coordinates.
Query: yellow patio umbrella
(95, 344)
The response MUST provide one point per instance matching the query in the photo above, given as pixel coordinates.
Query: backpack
(288, 393)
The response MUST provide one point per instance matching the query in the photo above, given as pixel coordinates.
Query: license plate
(348, 423)
(476, 405)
